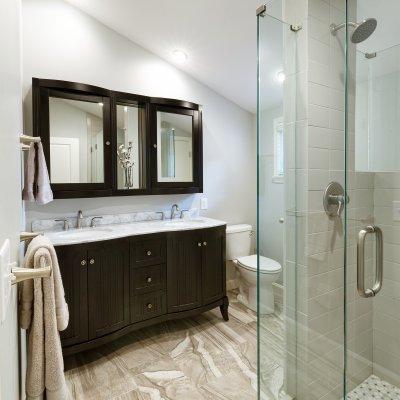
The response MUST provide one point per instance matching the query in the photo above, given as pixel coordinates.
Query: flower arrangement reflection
(124, 160)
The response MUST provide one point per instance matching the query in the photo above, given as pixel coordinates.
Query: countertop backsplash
(51, 225)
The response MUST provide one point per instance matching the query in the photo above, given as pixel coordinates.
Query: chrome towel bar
(29, 139)
(19, 274)
(27, 236)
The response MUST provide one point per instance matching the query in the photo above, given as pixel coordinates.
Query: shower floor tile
(374, 388)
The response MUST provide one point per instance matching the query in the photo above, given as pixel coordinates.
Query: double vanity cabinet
(115, 286)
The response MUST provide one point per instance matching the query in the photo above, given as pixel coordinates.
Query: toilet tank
(238, 241)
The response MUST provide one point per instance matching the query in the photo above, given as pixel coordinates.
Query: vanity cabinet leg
(224, 309)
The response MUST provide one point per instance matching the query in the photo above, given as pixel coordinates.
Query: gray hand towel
(44, 193)
(29, 176)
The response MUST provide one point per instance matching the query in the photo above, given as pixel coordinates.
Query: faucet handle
(66, 222)
(183, 211)
(161, 213)
(94, 219)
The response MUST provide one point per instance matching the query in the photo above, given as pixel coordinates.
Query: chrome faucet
(174, 209)
(79, 220)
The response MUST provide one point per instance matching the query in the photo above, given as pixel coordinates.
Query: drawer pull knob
(199, 244)
(91, 261)
(83, 263)
(149, 306)
(149, 253)
(204, 243)
(149, 279)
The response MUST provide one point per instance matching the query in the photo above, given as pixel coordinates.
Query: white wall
(10, 178)
(271, 193)
(61, 42)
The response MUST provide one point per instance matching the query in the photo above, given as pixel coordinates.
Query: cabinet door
(73, 268)
(108, 287)
(184, 271)
(213, 271)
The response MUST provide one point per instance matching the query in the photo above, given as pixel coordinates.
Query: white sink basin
(183, 222)
(84, 234)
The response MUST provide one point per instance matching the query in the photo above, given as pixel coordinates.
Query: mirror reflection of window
(130, 146)
(174, 147)
(279, 161)
(76, 141)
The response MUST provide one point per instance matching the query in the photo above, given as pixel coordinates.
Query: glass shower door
(278, 218)
(372, 317)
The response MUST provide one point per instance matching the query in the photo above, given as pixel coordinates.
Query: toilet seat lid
(266, 264)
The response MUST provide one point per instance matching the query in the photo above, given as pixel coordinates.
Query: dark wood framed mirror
(99, 142)
(176, 150)
(130, 149)
(73, 121)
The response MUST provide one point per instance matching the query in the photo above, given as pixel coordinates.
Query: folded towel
(29, 176)
(44, 312)
(43, 193)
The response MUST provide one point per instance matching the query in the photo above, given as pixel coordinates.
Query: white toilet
(238, 249)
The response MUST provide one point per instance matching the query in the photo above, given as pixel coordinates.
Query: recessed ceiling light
(179, 55)
(100, 104)
(280, 76)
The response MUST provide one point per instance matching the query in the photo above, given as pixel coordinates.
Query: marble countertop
(108, 232)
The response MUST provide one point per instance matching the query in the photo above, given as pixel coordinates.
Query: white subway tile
(318, 94)
(318, 116)
(318, 158)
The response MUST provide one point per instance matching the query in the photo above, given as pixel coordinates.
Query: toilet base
(249, 299)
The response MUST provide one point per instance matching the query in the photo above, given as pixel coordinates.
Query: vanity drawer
(149, 305)
(149, 251)
(148, 279)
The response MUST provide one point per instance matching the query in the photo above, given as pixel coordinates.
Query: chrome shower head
(362, 30)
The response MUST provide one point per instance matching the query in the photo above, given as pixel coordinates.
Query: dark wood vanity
(100, 142)
(114, 287)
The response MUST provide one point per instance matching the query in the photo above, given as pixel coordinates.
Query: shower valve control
(334, 199)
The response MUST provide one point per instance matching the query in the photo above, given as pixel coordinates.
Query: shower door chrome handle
(361, 262)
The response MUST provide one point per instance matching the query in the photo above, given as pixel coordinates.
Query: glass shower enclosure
(328, 200)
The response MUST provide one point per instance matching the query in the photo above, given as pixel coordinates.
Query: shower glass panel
(372, 315)
(280, 191)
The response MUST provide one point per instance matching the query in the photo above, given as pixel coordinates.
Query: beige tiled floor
(192, 359)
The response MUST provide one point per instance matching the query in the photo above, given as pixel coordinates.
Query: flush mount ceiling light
(280, 76)
(179, 55)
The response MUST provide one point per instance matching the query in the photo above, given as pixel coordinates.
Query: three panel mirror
(99, 142)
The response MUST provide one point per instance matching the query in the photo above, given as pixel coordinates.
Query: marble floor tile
(374, 388)
(198, 358)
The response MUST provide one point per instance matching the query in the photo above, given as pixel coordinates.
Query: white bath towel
(44, 312)
(44, 193)
(29, 176)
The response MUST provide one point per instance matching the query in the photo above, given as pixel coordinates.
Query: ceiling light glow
(280, 76)
(179, 55)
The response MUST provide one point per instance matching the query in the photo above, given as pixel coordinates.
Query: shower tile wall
(378, 94)
(319, 252)
(386, 316)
